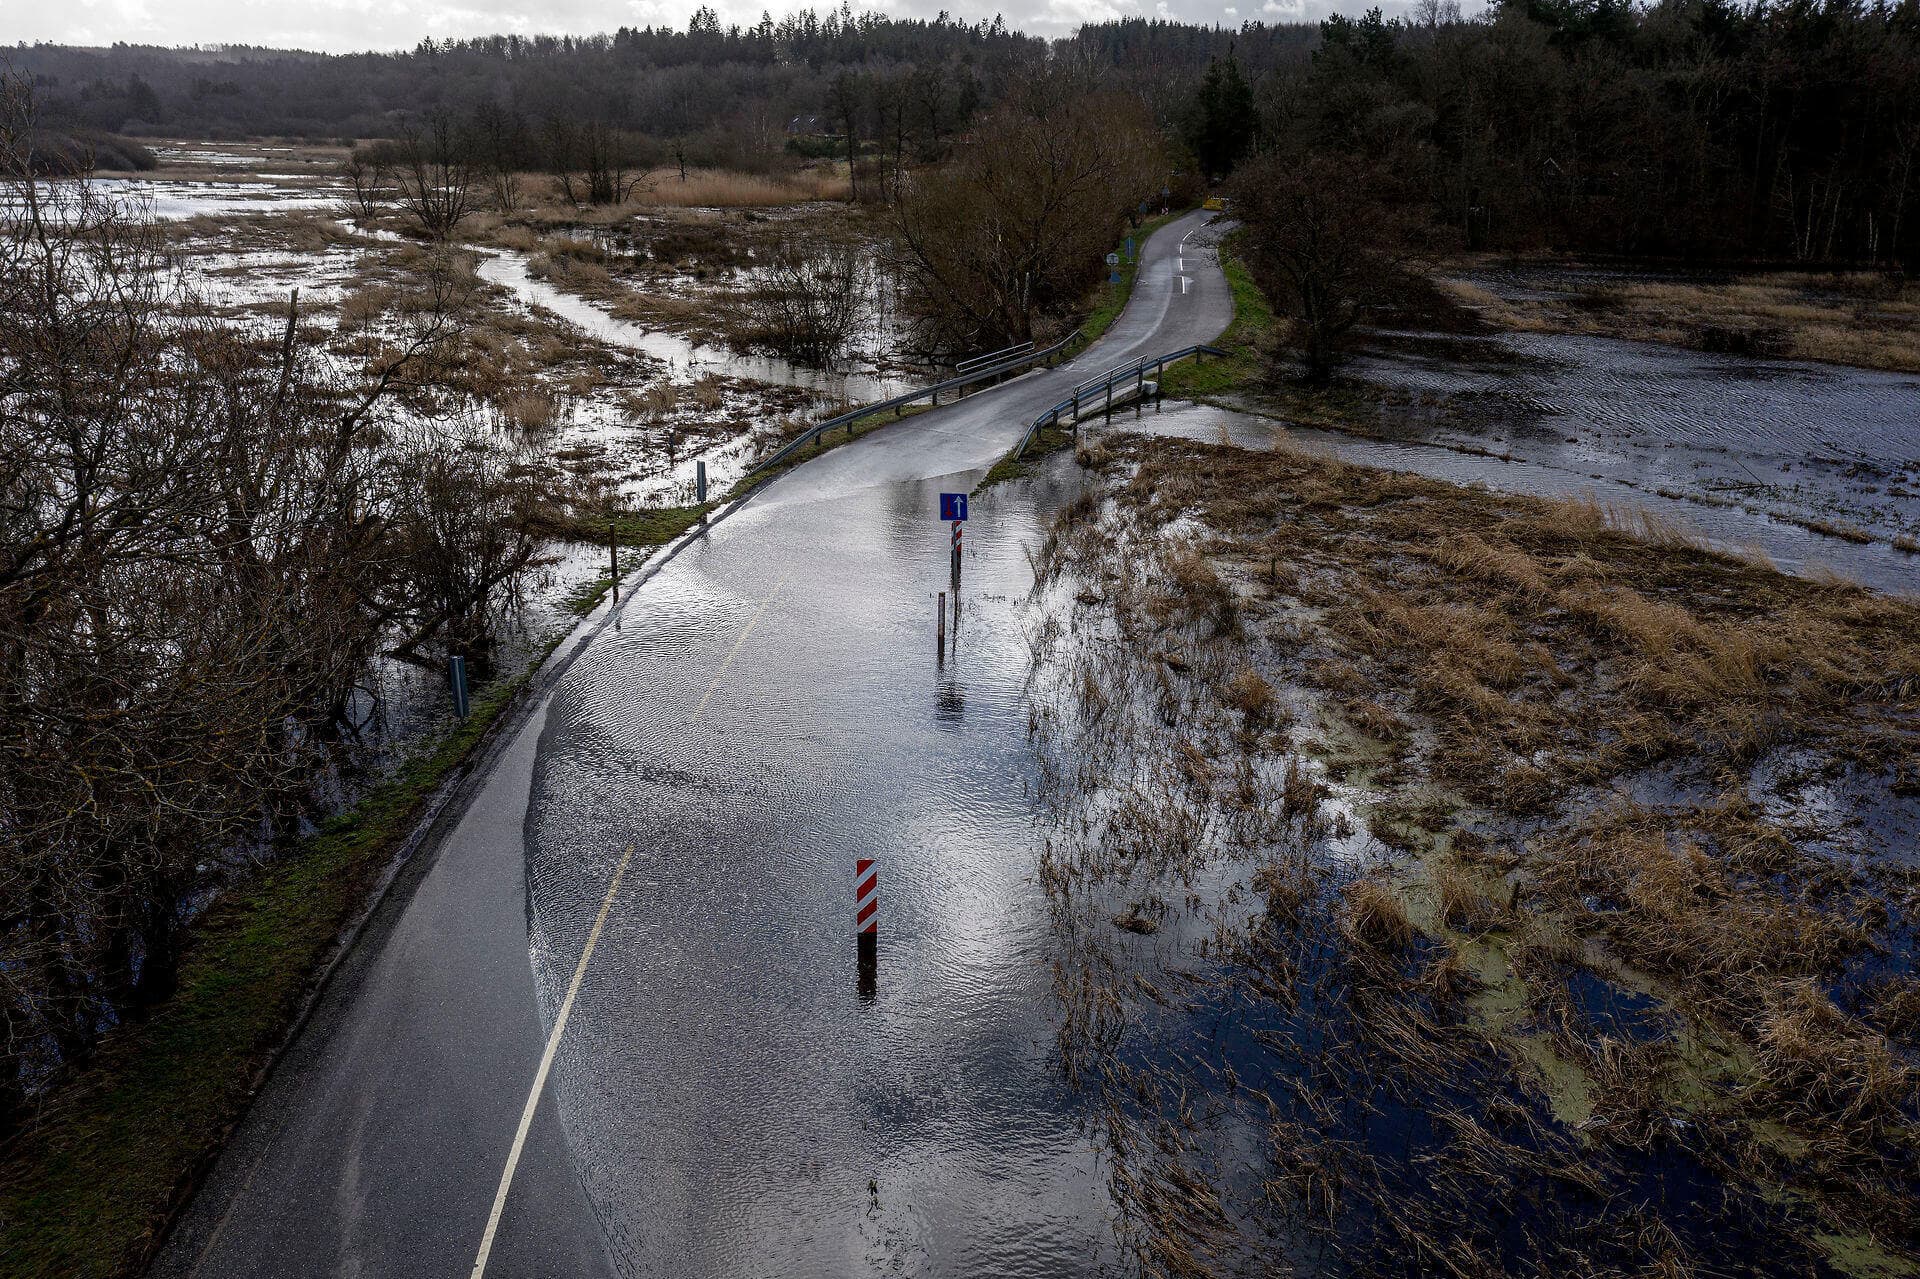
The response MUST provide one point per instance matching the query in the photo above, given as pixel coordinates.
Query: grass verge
(1245, 340)
(88, 1188)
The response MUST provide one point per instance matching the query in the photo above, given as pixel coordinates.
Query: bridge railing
(993, 357)
(1090, 391)
(1025, 358)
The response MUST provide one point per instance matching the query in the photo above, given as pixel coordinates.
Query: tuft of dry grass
(727, 189)
(1561, 981)
(1375, 919)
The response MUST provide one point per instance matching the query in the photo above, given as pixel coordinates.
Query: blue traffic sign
(953, 506)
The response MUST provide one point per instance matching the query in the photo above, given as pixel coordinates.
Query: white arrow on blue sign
(953, 506)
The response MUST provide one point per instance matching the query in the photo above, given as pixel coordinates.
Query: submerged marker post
(866, 923)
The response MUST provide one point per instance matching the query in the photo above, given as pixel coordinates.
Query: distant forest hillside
(1783, 129)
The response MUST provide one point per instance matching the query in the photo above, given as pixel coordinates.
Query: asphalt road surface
(613, 1022)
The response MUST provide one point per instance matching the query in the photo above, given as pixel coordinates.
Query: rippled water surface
(737, 1103)
(1769, 454)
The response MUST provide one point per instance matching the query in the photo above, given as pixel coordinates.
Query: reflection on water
(684, 356)
(1747, 453)
(740, 1100)
(171, 200)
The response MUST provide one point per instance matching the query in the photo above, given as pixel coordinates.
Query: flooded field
(613, 411)
(1446, 881)
(1815, 465)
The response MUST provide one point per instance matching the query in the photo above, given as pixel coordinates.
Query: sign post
(457, 669)
(953, 509)
(1113, 268)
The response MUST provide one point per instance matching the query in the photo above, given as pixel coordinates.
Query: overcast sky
(342, 25)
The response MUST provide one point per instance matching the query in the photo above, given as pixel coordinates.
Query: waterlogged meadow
(1445, 881)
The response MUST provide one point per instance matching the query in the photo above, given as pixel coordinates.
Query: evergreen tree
(1220, 125)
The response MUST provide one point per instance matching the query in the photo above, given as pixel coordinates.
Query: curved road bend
(725, 1096)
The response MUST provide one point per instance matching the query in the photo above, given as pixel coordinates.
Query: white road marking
(1184, 282)
(580, 975)
(1180, 264)
(546, 1064)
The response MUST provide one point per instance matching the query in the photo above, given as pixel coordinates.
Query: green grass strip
(1245, 340)
(86, 1190)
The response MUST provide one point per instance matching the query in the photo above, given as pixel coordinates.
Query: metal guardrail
(1135, 369)
(994, 357)
(1025, 360)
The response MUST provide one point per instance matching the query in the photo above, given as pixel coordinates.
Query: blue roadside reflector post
(458, 672)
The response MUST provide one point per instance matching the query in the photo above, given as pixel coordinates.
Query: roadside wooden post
(941, 631)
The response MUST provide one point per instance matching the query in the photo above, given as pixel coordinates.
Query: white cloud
(344, 25)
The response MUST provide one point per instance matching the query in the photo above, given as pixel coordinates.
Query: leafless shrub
(207, 531)
(806, 299)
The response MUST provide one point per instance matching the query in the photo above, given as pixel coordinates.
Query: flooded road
(729, 1089)
(720, 1095)
(773, 708)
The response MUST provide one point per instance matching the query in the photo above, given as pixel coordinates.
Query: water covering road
(726, 1098)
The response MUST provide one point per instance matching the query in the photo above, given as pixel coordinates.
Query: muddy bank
(1449, 880)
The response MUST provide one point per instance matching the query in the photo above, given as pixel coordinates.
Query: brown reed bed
(1528, 885)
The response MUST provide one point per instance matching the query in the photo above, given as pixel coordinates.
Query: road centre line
(580, 976)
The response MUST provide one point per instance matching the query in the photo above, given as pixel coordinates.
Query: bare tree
(806, 299)
(501, 145)
(435, 174)
(369, 184)
(1324, 243)
(592, 163)
(207, 531)
(1010, 234)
